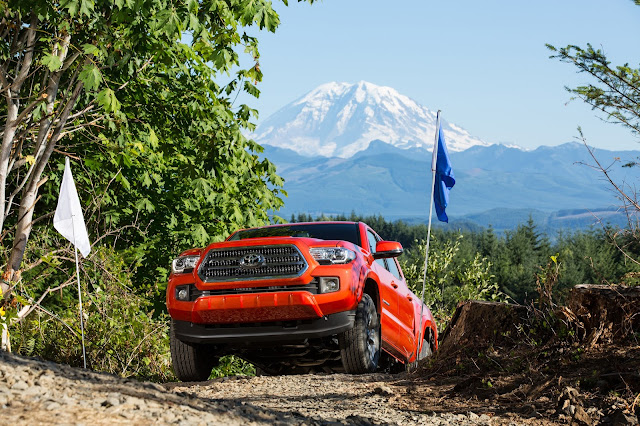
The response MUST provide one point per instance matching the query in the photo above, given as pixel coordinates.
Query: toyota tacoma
(296, 298)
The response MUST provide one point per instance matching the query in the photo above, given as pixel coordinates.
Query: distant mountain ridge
(341, 119)
(365, 148)
(395, 183)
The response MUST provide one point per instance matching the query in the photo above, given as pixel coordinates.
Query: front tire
(191, 362)
(360, 346)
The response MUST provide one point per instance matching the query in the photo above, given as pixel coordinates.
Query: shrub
(123, 334)
(448, 282)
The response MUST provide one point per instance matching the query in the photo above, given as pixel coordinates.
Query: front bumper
(243, 334)
(273, 300)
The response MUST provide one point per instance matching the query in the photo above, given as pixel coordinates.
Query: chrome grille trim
(224, 264)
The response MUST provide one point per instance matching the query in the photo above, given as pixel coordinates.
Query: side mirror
(385, 249)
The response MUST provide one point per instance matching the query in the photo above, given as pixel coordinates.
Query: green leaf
(146, 180)
(145, 204)
(91, 77)
(90, 49)
(153, 138)
(124, 181)
(107, 98)
(71, 6)
(51, 61)
(86, 7)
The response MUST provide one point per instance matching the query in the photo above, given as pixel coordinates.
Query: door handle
(394, 285)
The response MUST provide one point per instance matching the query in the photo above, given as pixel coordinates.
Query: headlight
(184, 264)
(332, 255)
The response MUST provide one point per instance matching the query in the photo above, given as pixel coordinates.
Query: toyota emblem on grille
(252, 260)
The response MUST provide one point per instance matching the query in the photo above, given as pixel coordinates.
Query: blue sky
(484, 64)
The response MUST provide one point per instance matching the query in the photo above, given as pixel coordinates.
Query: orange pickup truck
(296, 298)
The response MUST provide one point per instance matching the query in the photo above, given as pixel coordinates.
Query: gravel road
(38, 392)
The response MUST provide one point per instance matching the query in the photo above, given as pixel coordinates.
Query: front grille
(247, 263)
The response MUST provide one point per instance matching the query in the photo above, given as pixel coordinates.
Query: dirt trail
(38, 392)
(498, 364)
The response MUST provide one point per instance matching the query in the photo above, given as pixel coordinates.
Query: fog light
(329, 284)
(182, 292)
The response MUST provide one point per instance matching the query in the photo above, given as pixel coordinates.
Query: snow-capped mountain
(340, 119)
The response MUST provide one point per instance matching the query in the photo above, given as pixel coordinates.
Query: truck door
(388, 301)
(406, 311)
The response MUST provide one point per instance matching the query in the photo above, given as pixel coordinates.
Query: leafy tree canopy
(157, 141)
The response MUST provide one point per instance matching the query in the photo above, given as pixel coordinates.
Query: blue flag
(444, 179)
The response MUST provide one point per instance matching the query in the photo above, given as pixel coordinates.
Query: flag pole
(434, 160)
(70, 210)
(84, 353)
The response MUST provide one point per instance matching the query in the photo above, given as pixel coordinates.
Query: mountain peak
(341, 119)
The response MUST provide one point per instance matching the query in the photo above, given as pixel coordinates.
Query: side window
(372, 242)
(393, 268)
(373, 239)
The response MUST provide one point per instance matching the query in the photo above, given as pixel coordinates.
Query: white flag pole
(434, 160)
(84, 353)
(69, 214)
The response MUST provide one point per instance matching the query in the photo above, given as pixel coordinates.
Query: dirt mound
(578, 363)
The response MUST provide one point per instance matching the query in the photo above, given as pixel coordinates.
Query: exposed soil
(497, 364)
(578, 364)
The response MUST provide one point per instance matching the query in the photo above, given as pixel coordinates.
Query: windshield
(322, 231)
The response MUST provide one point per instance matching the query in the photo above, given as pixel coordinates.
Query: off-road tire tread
(191, 362)
(353, 347)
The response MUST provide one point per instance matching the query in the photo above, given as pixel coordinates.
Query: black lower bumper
(271, 332)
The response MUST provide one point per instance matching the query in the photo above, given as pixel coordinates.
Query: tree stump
(609, 314)
(480, 324)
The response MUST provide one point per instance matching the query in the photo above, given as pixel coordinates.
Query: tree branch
(28, 56)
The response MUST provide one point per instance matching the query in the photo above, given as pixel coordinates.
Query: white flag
(68, 219)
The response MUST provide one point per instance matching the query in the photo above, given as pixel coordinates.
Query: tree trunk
(12, 95)
(30, 194)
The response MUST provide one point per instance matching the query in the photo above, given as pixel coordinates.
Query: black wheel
(191, 362)
(360, 346)
(425, 352)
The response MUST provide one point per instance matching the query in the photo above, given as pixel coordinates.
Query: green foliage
(9, 311)
(231, 365)
(163, 156)
(448, 282)
(546, 281)
(614, 91)
(524, 249)
(122, 334)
